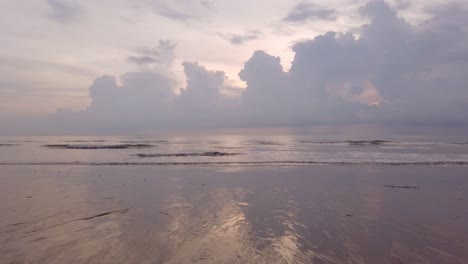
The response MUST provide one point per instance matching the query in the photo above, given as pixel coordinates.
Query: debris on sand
(104, 214)
(164, 213)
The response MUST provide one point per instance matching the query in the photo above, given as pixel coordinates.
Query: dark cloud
(163, 54)
(305, 11)
(64, 11)
(241, 39)
(143, 60)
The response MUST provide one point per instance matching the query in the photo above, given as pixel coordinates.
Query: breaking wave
(118, 146)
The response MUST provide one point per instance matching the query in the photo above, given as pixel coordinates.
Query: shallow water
(233, 214)
(232, 149)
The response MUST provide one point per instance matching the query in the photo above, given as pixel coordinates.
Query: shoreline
(246, 163)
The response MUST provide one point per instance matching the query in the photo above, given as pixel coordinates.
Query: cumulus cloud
(305, 11)
(392, 72)
(64, 11)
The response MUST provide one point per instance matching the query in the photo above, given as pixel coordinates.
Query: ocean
(231, 150)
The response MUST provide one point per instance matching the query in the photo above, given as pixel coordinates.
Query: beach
(233, 214)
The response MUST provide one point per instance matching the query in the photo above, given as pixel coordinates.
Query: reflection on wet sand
(213, 228)
(319, 214)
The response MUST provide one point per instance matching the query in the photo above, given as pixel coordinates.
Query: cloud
(180, 10)
(64, 11)
(390, 73)
(241, 39)
(402, 4)
(163, 54)
(305, 11)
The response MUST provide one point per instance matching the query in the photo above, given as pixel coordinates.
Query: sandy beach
(233, 214)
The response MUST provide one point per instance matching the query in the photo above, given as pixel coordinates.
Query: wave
(246, 163)
(86, 141)
(350, 142)
(8, 145)
(118, 146)
(320, 142)
(24, 141)
(144, 141)
(367, 142)
(271, 143)
(203, 154)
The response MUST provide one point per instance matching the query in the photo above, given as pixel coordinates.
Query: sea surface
(232, 150)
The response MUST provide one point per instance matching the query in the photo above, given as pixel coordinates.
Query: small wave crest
(143, 141)
(270, 143)
(86, 141)
(350, 142)
(202, 154)
(460, 143)
(118, 146)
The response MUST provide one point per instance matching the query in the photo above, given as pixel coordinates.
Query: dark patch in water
(229, 147)
(203, 154)
(349, 142)
(8, 145)
(119, 146)
(86, 141)
(272, 143)
(366, 142)
(320, 142)
(460, 143)
(401, 187)
(24, 141)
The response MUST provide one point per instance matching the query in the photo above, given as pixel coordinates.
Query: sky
(134, 65)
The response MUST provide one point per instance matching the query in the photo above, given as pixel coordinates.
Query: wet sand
(233, 214)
